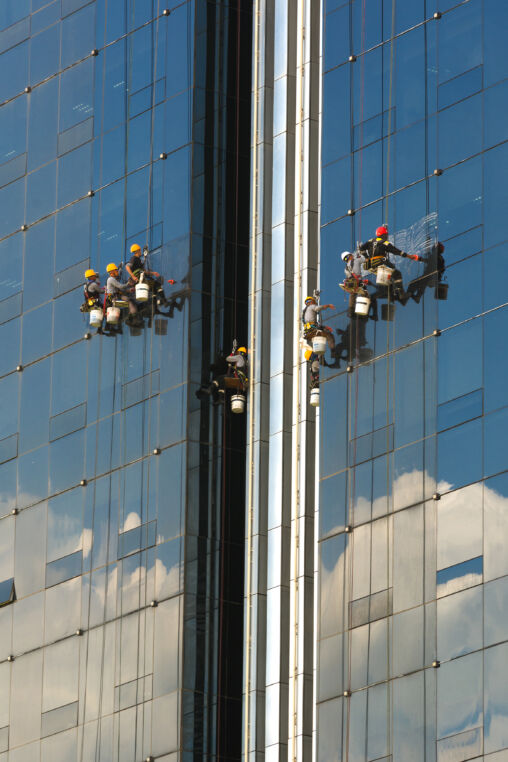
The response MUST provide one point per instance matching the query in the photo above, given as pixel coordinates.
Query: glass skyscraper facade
(180, 583)
(121, 122)
(412, 625)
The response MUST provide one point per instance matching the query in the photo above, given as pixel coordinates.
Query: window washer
(312, 324)
(353, 284)
(235, 379)
(92, 290)
(377, 250)
(136, 267)
(115, 289)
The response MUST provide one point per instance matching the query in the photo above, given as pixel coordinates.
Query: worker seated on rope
(376, 254)
(92, 291)
(313, 362)
(234, 379)
(118, 291)
(353, 284)
(136, 267)
(311, 322)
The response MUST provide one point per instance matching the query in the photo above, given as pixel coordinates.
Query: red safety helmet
(383, 230)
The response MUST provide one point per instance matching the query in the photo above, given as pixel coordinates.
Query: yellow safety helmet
(310, 299)
(242, 349)
(135, 248)
(90, 274)
(111, 267)
(307, 354)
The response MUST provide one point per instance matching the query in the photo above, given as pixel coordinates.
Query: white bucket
(314, 397)
(362, 305)
(112, 315)
(237, 403)
(319, 345)
(96, 317)
(383, 275)
(142, 292)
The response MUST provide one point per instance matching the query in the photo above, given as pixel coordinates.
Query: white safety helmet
(345, 255)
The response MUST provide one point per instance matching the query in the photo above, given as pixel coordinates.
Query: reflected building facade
(412, 637)
(120, 570)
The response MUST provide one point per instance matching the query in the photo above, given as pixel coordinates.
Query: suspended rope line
(390, 94)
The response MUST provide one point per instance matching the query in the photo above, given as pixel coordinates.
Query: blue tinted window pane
(496, 709)
(13, 117)
(44, 54)
(463, 245)
(460, 576)
(12, 203)
(459, 410)
(332, 504)
(460, 45)
(12, 11)
(41, 192)
(496, 195)
(7, 594)
(13, 71)
(43, 124)
(495, 20)
(496, 362)
(76, 102)
(73, 234)
(38, 270)
(460, 455)
(459, 695)
(336, 42)
(9, 390)
(460, 87)
(65, 524)
(67, 422)
(409, 77)
(11, 259)
(33, 477)
(8, 448)
(34, 424)
(496, 441)
(66, 461)
(459, 209)
(64, 568)
(459, 373)
(455, 145)
(37, 329)
(465, 296)
(336, 126)
(74, 174)
(78, 35)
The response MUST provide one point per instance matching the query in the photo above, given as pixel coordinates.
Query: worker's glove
(414, 257)
(171, 281)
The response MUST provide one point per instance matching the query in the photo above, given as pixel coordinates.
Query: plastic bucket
(237, 403)
(121, 303)
(383, 275)
(96, 317)
(319, 345)
(112, 315)
(142, 292)
(362, 305)
(314, 397)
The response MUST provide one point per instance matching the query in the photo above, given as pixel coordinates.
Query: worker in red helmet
(376, 252)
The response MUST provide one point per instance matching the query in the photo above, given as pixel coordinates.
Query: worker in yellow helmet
(311, 320)
(115, 289)
(136, 267)
(235, 379)
(92, 291)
